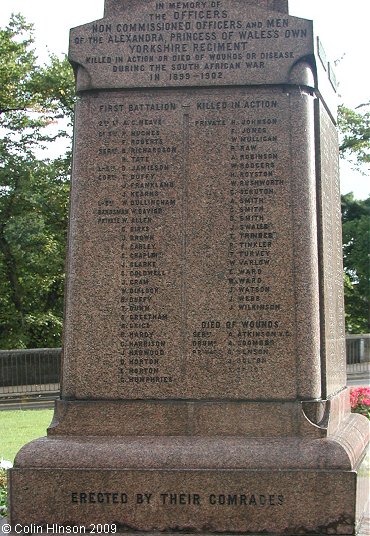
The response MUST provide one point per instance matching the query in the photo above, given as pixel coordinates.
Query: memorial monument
(203, 385)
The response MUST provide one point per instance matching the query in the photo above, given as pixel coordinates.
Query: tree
(354, 128)
(356, 248)
(33, 192)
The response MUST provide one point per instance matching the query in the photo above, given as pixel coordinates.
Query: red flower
(360, 400)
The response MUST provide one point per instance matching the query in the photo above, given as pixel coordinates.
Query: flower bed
(4, 466)
(360, 400)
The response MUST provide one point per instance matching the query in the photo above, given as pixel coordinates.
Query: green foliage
(33, 192)
(32, 250)
(53, 86)
(354, 127)
(3, 493)
(17, 65)
(32, 97)
(356, 248)
(354, 130)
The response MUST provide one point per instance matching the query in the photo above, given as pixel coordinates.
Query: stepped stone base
(315, 483)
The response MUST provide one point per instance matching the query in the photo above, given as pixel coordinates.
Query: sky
(341, 25)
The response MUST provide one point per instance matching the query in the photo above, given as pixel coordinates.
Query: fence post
(29, 371)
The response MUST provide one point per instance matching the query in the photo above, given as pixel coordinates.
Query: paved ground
(28, 402)
(361, 381)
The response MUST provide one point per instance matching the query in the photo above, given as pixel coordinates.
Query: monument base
(315, 483)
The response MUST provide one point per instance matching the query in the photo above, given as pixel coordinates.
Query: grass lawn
(19, 427)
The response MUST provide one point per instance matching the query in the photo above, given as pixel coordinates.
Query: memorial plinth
(203, 385)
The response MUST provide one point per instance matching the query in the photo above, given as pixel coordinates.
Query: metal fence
(29, 371)
(358, 348)
(358, 356)
(38, 371)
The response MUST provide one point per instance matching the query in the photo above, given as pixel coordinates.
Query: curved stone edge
(344, 451)
(198, 418)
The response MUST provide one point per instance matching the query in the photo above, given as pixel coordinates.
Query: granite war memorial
(203, 383)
